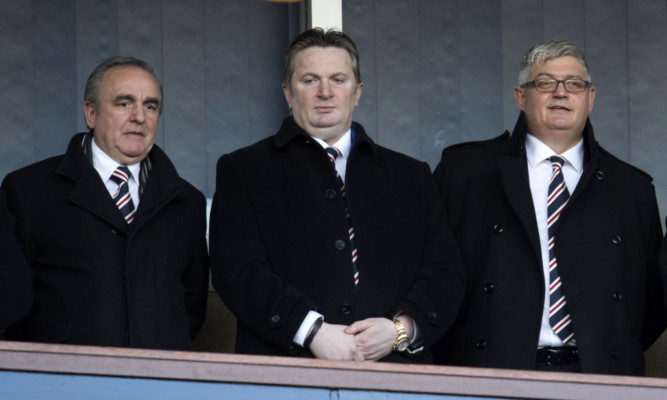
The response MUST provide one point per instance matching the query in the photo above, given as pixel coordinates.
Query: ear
(520, 97)
(288, 95)
(90, 113)
(591, 98)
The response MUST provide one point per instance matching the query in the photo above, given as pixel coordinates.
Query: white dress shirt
(105, 166)
(539, 175)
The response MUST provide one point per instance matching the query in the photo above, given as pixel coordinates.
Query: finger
(357, 327)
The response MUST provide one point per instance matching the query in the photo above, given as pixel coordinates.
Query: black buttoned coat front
(606, 243)
(98, 280)
(279, 241)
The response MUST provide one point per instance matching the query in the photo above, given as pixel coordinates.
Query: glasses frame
(533, 83)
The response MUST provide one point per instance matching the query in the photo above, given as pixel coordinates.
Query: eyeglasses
(551, 85)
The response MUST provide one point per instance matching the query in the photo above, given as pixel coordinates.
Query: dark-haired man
(114, 237)
(323, 243)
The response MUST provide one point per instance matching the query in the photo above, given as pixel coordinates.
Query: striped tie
(122, 196)
(333, 154)
(559, 316)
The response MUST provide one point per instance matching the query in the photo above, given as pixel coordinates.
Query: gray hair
(94, 82)
(317, 37)
(541, 53)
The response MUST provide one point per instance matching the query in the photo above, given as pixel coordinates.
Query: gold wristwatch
(402, 342)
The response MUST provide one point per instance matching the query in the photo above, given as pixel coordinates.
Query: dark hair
(94, 82)
(317, 37)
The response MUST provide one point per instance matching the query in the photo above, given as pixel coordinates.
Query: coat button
(616, 239)
(481, 344)
(345, 309)
(330, 194)
(275, 318)
(124, 280)
(599, 175)
(488, 288)
(340, 244)
(617, 296)
(498, 228)
(614, 354)
(433, 316)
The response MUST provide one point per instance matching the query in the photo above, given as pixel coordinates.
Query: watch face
(402, 346)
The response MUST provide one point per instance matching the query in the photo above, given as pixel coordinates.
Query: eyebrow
(148, 100)
(544, 74)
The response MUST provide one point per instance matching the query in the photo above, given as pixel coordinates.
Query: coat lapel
(514, 177)
(89, 192)
(162, 185)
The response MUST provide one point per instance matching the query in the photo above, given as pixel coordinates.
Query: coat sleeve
(15, 276)
(241, 272)
(437, 291)
(195, 279)
(655, 319)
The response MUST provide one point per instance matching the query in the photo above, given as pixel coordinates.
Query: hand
(374, 337)
(332, 343)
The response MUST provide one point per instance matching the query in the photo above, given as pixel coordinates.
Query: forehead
(560, 67)
(129, 80)
(322, 60)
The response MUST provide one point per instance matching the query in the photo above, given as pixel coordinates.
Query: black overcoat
(280, 247)
(607, 244)
(15, 278)
(98, 280)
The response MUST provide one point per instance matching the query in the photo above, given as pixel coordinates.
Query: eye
(308, 81)
(544, 84)
(575, 84)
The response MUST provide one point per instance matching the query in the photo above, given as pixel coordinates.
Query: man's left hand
(375, 337)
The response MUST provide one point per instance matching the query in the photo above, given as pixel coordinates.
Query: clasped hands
(367, 340)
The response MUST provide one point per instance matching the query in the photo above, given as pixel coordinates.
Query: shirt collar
(537, 151)
(344, 144)
(105, 165)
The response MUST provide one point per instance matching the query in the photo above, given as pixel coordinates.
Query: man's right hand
(332, 343)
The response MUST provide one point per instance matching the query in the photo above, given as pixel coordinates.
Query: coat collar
(518, 139)
(513, 165)
(289, 131)
(90, 193)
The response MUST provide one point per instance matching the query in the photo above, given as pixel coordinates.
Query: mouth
(559, 107)
(134, 133)
(324, 108)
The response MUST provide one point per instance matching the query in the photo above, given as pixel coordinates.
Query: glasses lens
(575, 85)
(545, 85)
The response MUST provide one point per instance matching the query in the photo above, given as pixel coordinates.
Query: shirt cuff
(415, 332)
(307, 323)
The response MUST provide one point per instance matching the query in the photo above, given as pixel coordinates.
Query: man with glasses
(547, 207)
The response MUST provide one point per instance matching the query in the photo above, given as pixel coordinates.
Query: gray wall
(220, 63)
(441, 72)
(436, 72)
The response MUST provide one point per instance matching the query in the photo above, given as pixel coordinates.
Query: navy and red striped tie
(333, 153)
(559, 315)
(122, 197)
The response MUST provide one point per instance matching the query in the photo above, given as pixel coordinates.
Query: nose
(325, 89)
(560, 89)
(138, 114)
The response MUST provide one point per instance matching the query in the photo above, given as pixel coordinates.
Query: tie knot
(333, 152)
(557, 160)
(121, 174)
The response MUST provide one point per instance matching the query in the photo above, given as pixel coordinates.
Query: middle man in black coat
(354, 262)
